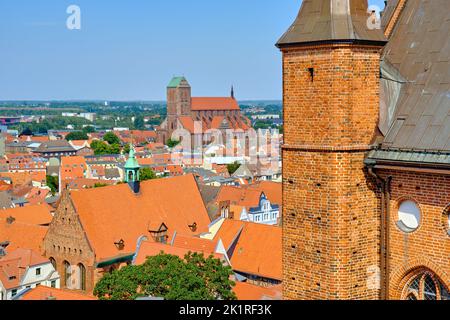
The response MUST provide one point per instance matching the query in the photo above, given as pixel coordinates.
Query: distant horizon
(121, 101)
(129, 51)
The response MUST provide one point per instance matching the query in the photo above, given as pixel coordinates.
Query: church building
(366, 159)
(185, 112)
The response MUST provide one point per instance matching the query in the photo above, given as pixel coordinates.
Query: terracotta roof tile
(258, 249)
(46, 293)
(21, 235)
(150, 249)
(246, 291)
(173, 201)
(31, 215)
(205, 103)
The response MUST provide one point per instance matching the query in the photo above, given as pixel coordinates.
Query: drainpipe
(384, 186)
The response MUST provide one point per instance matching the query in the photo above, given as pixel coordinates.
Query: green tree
(53, 184)
(139, 123)
(192, 278)
(111, 138)
(232, 167)
(147, 174)
(126, 149)
(99, 185)
(77, 135)
(101, 148)
(26, 132)
(89, 129)
(115, 149)
(172, 143)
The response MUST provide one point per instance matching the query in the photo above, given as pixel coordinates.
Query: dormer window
(159, 234)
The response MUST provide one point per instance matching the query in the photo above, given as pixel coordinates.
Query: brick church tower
(331, 220)
(178, 102)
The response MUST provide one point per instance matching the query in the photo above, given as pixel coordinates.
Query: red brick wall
(331, 222)
(429, 246)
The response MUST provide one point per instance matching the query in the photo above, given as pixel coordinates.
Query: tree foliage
(146, 174)
(102, 148)
(233, 167)
(172, 143)
(126, 149)
(111, 138)
(89, 129)
(170, 277)
(77, 135)
(139, 123)
(53, 184)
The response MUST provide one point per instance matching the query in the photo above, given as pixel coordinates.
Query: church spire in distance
(232, 92)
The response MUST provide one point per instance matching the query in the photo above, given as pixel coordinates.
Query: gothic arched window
(66, 273)
(426, 286)
(82, 274)
(53, 262)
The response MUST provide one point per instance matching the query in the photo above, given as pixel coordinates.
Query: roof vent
(10, 220)
(193, 227)
(120, 245)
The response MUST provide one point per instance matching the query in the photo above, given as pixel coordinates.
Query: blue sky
(129, 50)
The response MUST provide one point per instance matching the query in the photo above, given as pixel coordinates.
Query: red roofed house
(253, 249)
(260, 203)
(72, 168)
(183, 111)
(24, 269)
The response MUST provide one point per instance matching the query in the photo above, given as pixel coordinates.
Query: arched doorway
(426, 286)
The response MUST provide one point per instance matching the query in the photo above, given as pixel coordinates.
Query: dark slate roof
(388, 12)
(55, 146)
(410, 157)
(6, 200)
(209, 193)
(112, 173)
(419, 49)
(331, 20)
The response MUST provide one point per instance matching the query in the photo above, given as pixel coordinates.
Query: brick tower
(331, 221)
(178, 102)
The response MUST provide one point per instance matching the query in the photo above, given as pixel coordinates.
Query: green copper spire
(132, 167)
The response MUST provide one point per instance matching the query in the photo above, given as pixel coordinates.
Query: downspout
(384, 185)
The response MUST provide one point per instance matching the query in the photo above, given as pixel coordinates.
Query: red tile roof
(150, 249)
(174, 201)
(14, 265)
(20, 235)
(249, 195)
(258, 249)
(205, 104)
(46, 293)
(246, 291)
(30, 215)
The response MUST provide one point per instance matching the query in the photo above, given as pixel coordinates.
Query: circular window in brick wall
(409, 216)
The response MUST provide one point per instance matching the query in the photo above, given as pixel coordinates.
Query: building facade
(25, 269)
(366, 152)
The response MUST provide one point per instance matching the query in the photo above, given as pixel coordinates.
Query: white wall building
(24, 269)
